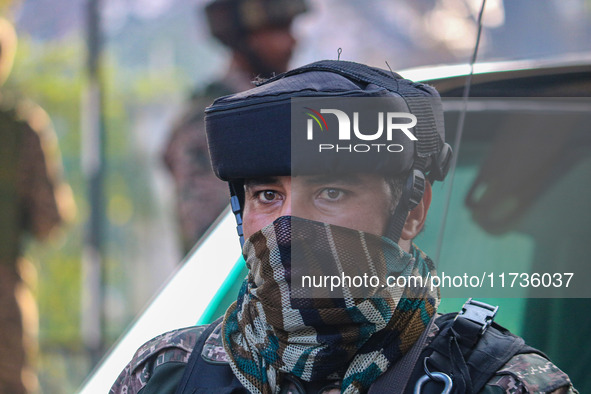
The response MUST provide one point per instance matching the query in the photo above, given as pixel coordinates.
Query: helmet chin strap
(437, 167)
(236, 202)
(410, 198)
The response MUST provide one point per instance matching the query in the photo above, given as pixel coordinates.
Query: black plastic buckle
(237, 211)
(417, 189)
(479, 313)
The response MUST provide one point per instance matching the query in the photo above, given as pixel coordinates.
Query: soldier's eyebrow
(345, 179)
(252, 182)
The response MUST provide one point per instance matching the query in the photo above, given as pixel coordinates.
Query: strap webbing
(396, 377)
(412, 193)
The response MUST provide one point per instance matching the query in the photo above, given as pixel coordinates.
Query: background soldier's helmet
(7, 48)
(230, 20)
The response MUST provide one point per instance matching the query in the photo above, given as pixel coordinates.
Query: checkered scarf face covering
(270, 331)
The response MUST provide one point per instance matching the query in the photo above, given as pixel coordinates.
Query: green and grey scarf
(353, 334)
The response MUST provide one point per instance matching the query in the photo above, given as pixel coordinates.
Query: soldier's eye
(332, 194)
(267, 196)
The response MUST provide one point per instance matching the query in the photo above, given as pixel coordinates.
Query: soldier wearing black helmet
(258, 34)
(307, 208)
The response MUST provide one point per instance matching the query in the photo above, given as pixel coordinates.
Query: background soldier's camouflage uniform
(29, 165)
(201, 196)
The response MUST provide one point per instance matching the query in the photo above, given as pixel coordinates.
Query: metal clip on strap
(473, 321)
(437, 376)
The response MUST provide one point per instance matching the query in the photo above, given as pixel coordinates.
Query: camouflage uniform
(28, 203)
(158, 367)
(201, 196)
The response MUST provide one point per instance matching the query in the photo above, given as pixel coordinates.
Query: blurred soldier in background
(258, 34)
(31, 201)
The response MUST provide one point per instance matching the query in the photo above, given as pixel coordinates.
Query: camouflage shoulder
(529, 373)
(172, 347)
(213, 348)
(177, 341)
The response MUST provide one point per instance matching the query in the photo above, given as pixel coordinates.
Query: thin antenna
(459, 132)
(339, 51)
(390, 68)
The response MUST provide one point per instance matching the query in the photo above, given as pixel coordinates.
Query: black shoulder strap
(203, 377)
(398, 374)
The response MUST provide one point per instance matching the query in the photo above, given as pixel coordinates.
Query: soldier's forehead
(354, 178)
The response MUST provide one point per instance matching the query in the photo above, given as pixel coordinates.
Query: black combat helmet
(250, 134)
